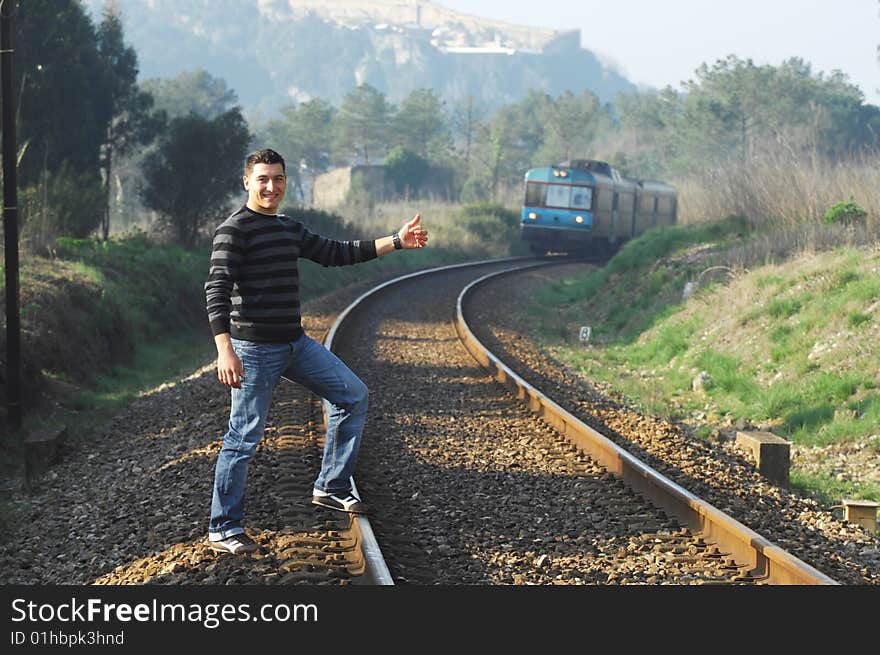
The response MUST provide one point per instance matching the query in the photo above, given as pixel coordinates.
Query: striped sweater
(252, 290)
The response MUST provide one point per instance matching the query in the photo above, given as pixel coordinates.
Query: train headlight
(578, 219)
(533, 215)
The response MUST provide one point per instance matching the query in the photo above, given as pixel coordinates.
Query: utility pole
(10, 216)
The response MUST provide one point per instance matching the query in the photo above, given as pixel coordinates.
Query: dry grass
(388, 216)
(781, 191)
(443, 220)
(785, 200)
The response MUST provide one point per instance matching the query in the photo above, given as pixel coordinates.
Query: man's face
(265, 186)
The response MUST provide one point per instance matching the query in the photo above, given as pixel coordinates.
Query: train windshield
(558, 195)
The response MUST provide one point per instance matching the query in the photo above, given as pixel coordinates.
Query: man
(252, 295)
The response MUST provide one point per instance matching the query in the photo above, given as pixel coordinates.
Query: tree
(195, 91)
(302, 135)
(466, 121)
(313, 121)
(361, 126)
(508, 145)
(61, 100)
(529, 129)
(129, 121)
(649, 126)
(570, 124)
(421, 126)
(61, 119)
(498, 152)
(736, 108)
(195, 168)
(730, 104)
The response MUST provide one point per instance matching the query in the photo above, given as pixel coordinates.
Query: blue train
(586, 207)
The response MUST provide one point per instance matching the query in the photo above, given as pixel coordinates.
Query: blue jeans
(306, 362)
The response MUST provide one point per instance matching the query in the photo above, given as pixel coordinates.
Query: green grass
(795, 352)
(154, 363)
(857, 319)
(729, 374)
(829, 491)
(666, 241)
(672, 339)
(783, 307)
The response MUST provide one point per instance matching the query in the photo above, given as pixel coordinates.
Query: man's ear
(244, 180)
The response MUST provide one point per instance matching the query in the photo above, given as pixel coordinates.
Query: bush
(489, 221)
(474, 190)
(406, 170)
(70, 327)
(65, 202)
(846, 213)
(330, 225)
(154, 284)
(498, 212)
(360, 197)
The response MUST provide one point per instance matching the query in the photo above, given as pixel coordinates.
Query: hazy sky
(660, 42)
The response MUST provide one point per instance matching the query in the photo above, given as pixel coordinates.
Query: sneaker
(237, 543)
(344, 502)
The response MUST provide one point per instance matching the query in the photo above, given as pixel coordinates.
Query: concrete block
(863, 512)
(42, 449)
(772, 454)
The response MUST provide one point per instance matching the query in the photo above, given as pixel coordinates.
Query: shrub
(846, 213)
(474, 190)
(509, 217)
(65, 202)
(330, 225)
(490, 222)
(406, 170)
(360, 197)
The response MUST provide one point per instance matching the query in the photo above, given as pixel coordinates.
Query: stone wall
(332, 187)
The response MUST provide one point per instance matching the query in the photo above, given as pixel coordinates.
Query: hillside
(273, 52)
(700, 324)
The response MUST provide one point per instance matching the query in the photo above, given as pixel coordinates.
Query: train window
(581, 197)
(664, 205)
(536, 194)
(558, 195)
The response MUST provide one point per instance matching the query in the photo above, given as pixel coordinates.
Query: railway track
(472, 484)
(468, 484)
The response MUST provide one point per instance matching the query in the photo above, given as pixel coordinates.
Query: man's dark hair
(263, 156)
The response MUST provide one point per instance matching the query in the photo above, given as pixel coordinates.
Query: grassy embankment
(782, 318)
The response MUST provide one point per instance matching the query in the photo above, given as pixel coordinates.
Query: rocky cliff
(273, 52)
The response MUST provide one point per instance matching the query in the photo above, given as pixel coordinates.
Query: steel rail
(768, 561)
(376, 570)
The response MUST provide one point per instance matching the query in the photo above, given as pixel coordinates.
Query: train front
(557, 212)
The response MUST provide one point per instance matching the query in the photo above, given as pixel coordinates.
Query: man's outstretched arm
(412, 235)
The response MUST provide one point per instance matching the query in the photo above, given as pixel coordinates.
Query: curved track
(472, 486)
(766, 560)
